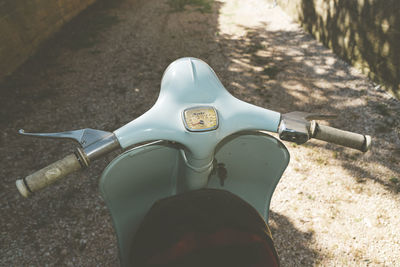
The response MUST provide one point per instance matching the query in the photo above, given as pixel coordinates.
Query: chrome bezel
(200, 130)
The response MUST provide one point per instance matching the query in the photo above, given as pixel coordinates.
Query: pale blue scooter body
(238, 156)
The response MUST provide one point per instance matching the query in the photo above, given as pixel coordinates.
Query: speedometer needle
(200, 122)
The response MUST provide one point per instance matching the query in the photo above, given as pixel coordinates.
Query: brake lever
(94, 143)
(84, 137)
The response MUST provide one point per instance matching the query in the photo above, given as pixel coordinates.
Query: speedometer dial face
(199, 119)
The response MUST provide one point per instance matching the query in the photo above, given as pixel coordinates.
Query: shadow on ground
(293, 246)
(370, 26)
(104, 69)
(282, 82)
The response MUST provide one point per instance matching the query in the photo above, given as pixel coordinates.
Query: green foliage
(394, 180)
(321, 161)
(310, 197)
(204, 6)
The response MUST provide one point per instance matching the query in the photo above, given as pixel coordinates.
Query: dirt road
(333, 206)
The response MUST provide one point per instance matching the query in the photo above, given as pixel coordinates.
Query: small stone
(82, 244)
(64, 252)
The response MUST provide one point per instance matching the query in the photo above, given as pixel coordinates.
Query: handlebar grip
(344, 138)
(48, 175)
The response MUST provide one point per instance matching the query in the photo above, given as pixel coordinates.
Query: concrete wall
(25, 24)
(366, 33)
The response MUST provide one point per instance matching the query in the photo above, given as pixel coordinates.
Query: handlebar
(94, 143)
(296, 127)
(49, 174)
(341, 137)
(299, 127)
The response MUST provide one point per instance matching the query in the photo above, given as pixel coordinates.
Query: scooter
(197, 135)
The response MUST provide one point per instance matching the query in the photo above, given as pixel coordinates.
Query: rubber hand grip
(48, 175)
(344, 138)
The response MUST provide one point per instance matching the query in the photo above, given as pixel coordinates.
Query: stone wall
(25, 24)
(365, 33)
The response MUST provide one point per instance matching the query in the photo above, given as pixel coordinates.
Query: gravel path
(333, 206)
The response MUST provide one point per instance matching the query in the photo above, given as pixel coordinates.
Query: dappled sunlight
(293, 72)
(231, 10)
(261, 57)
(365, 33)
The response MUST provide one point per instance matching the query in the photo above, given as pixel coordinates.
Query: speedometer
(200, 119)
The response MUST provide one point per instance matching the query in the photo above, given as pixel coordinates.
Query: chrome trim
(101, 147)
(299, 126)
(196, 169)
